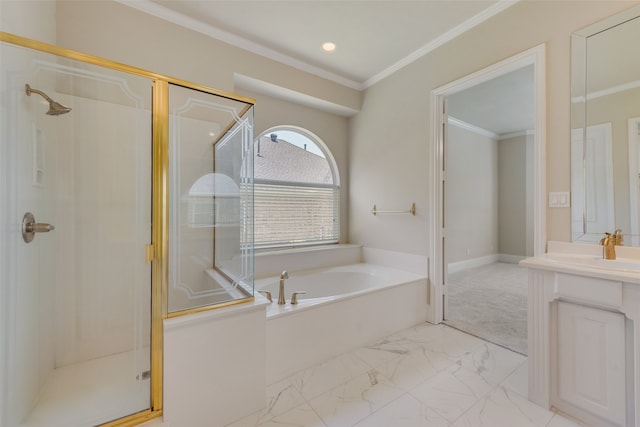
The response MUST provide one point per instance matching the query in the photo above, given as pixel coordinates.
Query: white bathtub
(331, 284)
(345, 307)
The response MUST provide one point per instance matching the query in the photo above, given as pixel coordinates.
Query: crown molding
(441, 40)
(162, 12)
(453, 121)
(167, 14)
(472, 128)
(528, 132)
(609, 91)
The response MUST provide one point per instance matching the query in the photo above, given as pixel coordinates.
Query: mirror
(605, 129)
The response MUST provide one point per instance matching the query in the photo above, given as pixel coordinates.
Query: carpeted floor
(491, 302)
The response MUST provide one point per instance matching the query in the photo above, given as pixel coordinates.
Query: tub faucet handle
(619, 239)
(267, 294)
(294, 297)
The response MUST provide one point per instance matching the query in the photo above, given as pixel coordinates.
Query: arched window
(296, 189)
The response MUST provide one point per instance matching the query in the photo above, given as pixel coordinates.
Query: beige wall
(34, 19)
(486, 196)
(512, 196)
(471, 195)
(390, 137)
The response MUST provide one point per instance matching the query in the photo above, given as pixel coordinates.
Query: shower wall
(28, 343)
(103, 175)
(33, 19)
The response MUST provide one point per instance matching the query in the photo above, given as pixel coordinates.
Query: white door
(592, 211)
(634, 181)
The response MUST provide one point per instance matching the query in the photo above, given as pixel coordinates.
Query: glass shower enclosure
(125, 198)
(210, 221)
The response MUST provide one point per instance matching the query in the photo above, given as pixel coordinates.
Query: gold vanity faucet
(609, 243)
(619, 239)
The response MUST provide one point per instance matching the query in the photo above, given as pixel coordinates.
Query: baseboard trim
(455, 267)
(511, 259)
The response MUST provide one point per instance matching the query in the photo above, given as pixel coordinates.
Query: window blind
(289, 214)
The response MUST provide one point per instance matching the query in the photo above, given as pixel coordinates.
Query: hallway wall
(514, 160)
(471, 199)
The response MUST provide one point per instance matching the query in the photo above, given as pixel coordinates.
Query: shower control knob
(38, 227)
(30, 227)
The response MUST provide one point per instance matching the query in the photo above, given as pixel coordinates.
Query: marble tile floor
(428, 375)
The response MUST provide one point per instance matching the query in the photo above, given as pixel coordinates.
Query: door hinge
(150, 253)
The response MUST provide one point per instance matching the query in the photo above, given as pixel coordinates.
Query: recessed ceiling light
(329, 46)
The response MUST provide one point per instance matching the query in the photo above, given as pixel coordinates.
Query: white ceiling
(502, 105)
(374, 38)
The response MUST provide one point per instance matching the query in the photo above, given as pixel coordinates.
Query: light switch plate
(560, 199)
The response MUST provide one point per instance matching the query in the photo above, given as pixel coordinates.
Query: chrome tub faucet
(283, 276)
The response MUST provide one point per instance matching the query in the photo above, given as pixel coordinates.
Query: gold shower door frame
(157, 251)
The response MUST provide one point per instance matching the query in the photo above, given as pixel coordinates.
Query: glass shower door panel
(76, 299)
(210, 143)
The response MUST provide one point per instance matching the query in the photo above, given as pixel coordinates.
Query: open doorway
(489, 197)
(489, 207)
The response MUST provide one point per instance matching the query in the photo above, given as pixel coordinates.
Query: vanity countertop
(586, 260)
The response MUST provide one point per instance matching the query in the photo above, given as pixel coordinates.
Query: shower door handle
(30, 227)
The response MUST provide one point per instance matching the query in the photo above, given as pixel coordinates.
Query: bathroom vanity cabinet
(588, 363)
(583, 337)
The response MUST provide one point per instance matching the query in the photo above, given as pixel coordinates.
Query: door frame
(536, 57)
(633, 126)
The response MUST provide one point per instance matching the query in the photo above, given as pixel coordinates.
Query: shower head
(55, 108)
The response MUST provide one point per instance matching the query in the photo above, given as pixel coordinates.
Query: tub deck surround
(584, 333)
(214, 365)
(388, 293)
(417, 264)
(305, 337)
(272, 263)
